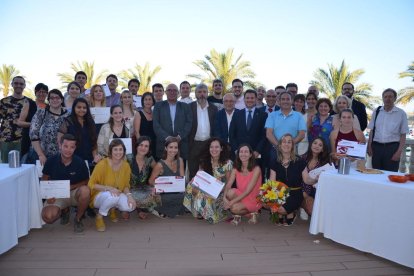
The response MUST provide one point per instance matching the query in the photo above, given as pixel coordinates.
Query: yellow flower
(283, 189)
(281, 194)
(271, 195)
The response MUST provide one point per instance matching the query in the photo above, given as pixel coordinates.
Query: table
(20, 204)
(367, 212)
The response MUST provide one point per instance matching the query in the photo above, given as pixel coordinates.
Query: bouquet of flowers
(272, 195)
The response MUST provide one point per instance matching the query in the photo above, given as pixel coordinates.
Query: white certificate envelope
(170, 184)
(315, 172)
(39, 169)
(101, 114)
(127, 142)
(55, 188)
(352, 149)
(208, 184)
(106, 90)
(137, 101)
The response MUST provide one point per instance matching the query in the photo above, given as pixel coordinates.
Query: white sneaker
(303, 215)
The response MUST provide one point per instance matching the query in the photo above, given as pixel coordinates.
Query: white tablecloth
(367, 212)
(20, 204)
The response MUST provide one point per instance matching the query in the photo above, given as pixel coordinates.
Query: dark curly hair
(205, 159)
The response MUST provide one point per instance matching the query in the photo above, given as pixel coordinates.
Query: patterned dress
(201, 204)
(141, 191)
(44, 128)
(320, 130)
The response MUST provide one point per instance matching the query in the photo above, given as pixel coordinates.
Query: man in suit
(172, 119)
(359, 108)
(203, 115)
(224, 117)
(247, 126)
(270, 105)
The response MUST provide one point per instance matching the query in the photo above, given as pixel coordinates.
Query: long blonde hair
(92, 97)
(131, 105)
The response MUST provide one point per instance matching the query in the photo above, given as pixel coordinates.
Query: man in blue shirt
(67, 166)
(284, 121)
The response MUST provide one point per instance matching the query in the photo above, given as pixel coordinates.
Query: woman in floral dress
(217, 163)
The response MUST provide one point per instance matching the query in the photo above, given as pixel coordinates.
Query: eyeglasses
(271, 96)
(171, 90)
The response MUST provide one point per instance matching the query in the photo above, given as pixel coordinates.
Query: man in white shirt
(185, 90)
(237, 88)
(203, 124)
(388, 127)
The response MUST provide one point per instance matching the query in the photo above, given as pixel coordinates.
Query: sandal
(236, 220)
(254, 219)
(290, 221)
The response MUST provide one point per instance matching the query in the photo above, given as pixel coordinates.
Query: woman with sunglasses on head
(171, 164)
(45, 125)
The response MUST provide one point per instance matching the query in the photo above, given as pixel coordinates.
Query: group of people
(241, 138)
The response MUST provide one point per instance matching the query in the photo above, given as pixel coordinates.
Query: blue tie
(249, 120)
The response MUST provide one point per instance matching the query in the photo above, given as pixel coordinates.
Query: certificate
(170, 184)
(55, 189)
(137, 101)
(39, 169)
(106, 90)
(315, 172)
(127, 142)
(100, 114)
(352, 149)
(208, 184)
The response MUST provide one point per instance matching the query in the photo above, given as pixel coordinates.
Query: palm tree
(7, 73)
(224, 66)
(88, 68)
(144, 74)
(407, 94)
(330, 83)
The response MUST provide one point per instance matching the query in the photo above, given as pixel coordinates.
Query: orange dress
(242, 182)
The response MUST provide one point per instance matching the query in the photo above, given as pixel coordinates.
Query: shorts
(64, 203)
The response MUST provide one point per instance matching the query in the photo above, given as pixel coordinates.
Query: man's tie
(270, 110)
(249, 120)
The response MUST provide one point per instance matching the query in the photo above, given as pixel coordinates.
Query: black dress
(292, 177)
(146, 129)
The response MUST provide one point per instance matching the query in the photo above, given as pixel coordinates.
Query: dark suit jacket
(255, 136)
(162, 125)
(211, 109)
(361, 112)
(221, 129)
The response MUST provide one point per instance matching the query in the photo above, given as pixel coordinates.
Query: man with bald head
(314, 89)
(271, 99)
(224, 117)
(172, 118)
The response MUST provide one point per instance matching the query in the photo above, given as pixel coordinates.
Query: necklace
(149, 113)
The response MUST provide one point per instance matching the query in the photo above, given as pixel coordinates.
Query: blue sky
(285, 41)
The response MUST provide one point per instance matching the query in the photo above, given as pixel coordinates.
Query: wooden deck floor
(185, 246)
